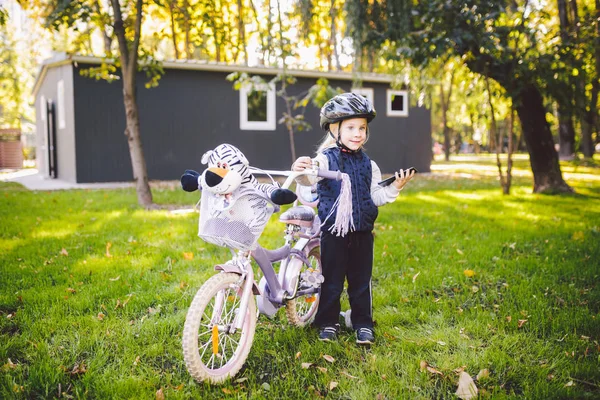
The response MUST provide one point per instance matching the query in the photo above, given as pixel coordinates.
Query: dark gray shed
(80, 121)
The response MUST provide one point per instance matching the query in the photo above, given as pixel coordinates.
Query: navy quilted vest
(358, 168)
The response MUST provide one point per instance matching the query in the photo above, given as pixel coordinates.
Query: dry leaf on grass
(415, 277)
(322, 369)
(483, 374)
(306, 365)
(466, 387)
(329, 358)
(332, 385)
(64, 252)
(160, 395)
(522, 322)
(298, 354)
(114, 279)
(424, 365)
(188, 255)
(101, 316)
(348, 375)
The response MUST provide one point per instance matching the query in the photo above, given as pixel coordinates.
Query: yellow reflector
(311, 299)
(215, 339)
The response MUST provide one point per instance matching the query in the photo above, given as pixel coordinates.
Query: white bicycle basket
(235, 221)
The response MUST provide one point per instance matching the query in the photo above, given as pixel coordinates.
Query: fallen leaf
(570, 383)
(475, 289)
(137, 360)
(415, 277)
(101, 316)
(160, 395)
(332, 385)
(329, 358)
(384, 377)
(521, 322)
(483, 374)
(188, 255)
(108, 246)
(348, 375)
(114, 279)
(266, 386)
(79, 369)
(441, 343)
(9, 365)
(298, 354)
(577, 235)
(64, 252)
(322, 369)
(226, 391)
(459, 251)
(241, 380)
(508, 318)
(71, 290)
(118, 304)
(469, 273)
(466, 387)
(424, 365)
(306, 365)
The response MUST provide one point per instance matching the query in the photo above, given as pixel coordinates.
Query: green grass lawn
(94, 291)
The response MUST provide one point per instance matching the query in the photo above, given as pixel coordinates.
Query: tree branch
(119, 30)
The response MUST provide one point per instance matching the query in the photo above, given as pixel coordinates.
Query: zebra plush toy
(227, 170)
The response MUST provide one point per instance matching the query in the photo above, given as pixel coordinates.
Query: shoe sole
(326, 340)
(364, 342)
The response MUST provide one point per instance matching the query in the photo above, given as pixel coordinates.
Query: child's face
(353, 133)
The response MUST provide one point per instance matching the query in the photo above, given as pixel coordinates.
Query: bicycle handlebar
(337, 175)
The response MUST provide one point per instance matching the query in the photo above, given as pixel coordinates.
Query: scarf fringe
(344, 222)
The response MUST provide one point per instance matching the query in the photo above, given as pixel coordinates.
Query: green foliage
(457, 266)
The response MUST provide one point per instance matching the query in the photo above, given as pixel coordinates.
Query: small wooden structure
(11, 150)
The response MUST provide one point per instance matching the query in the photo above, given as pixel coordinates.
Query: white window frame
(60, 88)
(270, 124)
(367, 92)
(397, 113)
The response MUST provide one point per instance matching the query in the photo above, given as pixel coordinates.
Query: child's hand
(402, 179)
(301, 164)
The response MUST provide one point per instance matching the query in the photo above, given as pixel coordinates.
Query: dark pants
(348, 257)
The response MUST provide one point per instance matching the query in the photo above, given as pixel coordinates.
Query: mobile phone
(388, 181)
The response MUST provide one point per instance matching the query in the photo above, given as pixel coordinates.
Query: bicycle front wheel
(212, 350)
(301, 310)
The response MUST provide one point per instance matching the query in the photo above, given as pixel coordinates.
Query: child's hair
(328, 141)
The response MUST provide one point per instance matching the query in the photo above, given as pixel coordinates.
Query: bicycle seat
(299, 215)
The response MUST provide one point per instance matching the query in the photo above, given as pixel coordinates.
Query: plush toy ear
(239, 155)
(206, 157)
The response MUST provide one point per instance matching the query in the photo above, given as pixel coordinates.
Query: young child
(345, 118)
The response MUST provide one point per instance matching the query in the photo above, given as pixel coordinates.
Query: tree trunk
(445, 123)
(333, 14)
(173, 30)
(242, 29)
(566, 135)
(547, 177)
(129, 61)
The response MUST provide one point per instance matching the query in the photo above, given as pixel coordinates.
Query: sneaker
(328, 333)
(365, 336)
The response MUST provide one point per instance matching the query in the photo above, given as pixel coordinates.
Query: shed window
(257, 108)
(366, 92)
(397, 103)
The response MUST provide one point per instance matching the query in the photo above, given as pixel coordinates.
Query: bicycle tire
(301, 310)
(199, 328)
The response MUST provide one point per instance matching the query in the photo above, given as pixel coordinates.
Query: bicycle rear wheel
(301, 310)
(212, 352)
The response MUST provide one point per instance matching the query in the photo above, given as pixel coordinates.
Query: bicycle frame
(277, 287)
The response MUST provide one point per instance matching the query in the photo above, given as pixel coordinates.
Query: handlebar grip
(337, 175)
